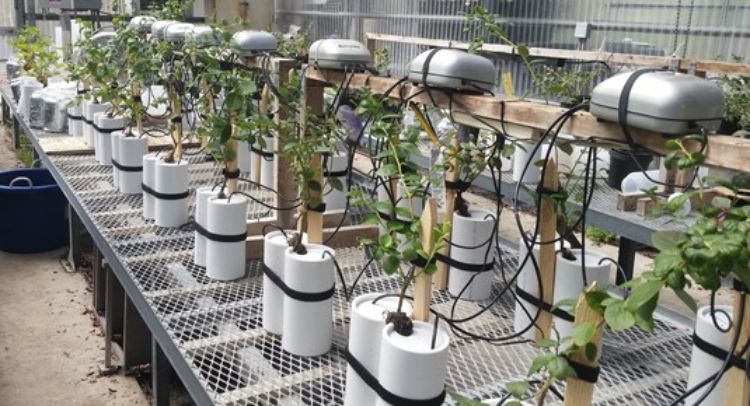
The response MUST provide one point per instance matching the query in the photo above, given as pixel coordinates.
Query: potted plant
(39, 61)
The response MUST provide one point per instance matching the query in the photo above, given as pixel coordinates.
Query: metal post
(626, 259)
(160, 375)
(31, 12)
(136, 338)
(113, 318)
(16, 133)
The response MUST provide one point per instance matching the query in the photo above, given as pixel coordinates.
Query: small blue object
(32, 212)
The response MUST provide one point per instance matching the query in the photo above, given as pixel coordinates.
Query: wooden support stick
(451, 175)
(423, 281)
(738, 386)
(257, 158)
(233, 148)
(578, 392)
(313, 104)
(176, 124)
(284, 175)
(547, 256)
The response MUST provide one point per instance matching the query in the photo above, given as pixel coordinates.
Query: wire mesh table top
(217, 325)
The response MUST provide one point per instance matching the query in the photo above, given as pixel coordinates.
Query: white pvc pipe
(116, 157)
(243, 157)
(365, 336)
(473, 231)
(308, 326)
(171, 178)
(226, 261)
(75, 126)
(410, 367)
(267, 175)
(274, 249)
(24, 101)
(523, 158)
(90, 110)
(149, 179)
(131, 151)
(703, 365)
(202, 194)
(103, 140)
(336, 199)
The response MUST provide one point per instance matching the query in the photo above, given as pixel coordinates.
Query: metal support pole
(113, 314)
(16, 133)
(161, 373)
(136, 338)
(100, 283)
(626, 259)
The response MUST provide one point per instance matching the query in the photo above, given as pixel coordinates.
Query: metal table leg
(626, 259)
(161, 373)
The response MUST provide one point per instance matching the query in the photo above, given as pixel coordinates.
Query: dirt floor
(49, 349)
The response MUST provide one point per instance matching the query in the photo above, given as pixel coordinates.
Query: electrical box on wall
(71, 4)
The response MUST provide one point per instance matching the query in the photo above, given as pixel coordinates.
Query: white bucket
(703, 365)
(410, 367)
(116, 135)
(131, 151)
(202, 194)
(149, 179)
(523, 158)
(103, 136)
(274, 248)
(24, 101)
(471, 232)
(636, 181)
(90, 110)
(75, 120)
(308, 326)
(171, 178)
(243, 157)
(267, 173)
(365, 334)
(336, 199)
(226, 261)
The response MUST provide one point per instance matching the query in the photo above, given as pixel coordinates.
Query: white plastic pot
(307, 325)
(703, 365)
(24, 102)
(75, 120)
(171, 178)
(274, 250)
(339, 162)
(226, 261)
(525, 157)
(569, 281)
(202, 194)
(365, 334)
(103, 136)
(116, 159)
(474, 231)
(267, 173)
(243, 157)
(636, 181)
(90, 109)
(411, 367)
(130, 151)
(149, 180)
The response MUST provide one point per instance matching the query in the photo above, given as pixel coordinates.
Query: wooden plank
(423, 281)
(175, 126)
(313, 104)
(686, 65)
(722, 151)
(628, 201)
(644, 205)
(547, 256)
(578, 392)
(284, 186)
(739, 394)
(349, 236)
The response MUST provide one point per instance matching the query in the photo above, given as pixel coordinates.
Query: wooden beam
(722, 151)
(423, 281)
(578, 392)
(313, 104)
(547, 255)
(349, 236)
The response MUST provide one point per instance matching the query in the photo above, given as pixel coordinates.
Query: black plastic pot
(622, 163)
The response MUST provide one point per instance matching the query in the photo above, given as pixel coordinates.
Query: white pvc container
(337, 162)
(131, 151)
(307, 326)
(226, 261)
(569, 281)
(686, 207)
(524, 156)
(171, 178)
(103, 139)
(24, 101)
(149, 179)
(90, 110)
(243, 157)
(75, 125)
(365, 335)
(637, 181)
(267, 173)
(410, 367)
(703, 365)
(202, 194)
(471, 232)
(274, 249)
(116, 157)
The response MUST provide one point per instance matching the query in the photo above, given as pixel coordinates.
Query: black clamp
(584, 372)
(295, 294)
(459, 185)
(388, 217)
(106, 130)
(176, 119)
(321, 208)
(124, 168)
(164, 196)
(463, 265)
(420, 262)
(219, 237)
(535, 301)
(264, 154)
(74, 117)
(235, 174)
(335, 174)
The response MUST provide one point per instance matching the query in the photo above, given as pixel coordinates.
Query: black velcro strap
(164, 196)
(388, 217)
(739, 286)
(106, 130)
(87, 121)
(231, 175)
(126, 168)
(264, 154)
(384, 394)
(74, 117)
(321, 208)
(463, 265)
(295, 294)
(584, 372)
(426, 65)
(420, 262)
(219, 237)
(708, 348)
(542, 191)
(176, 119)
(82, 91)
(459, 185)
(335, 174)
(543, 305)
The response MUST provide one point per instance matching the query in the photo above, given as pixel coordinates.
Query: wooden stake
(738, 386)
(547, 256)
(233, 147)
(242, 9)
(257, 158)
(313, 104)
(423, 282)
(578, 392)
(451, 175)
(176, 125)
(284, 175)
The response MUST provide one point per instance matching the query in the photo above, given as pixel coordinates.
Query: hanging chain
(677, 27)
(689, 26)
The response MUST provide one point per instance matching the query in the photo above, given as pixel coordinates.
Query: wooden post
(136, 94)
(233, 147)
(313, 104)
(210, 102)
(284, 185)
(257, 158)
(547, 256)
(578, 392)
(242, 10)
(451, 175)
(738, 386)
(423, 282)
(176, 123)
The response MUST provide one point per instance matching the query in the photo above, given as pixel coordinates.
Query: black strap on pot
(106, 130)
(83, 91)
(295, 294)
(543, 305)
(389, 217)
(584, 372)
(321, 208)
(421, 262)
(459, 185)
(720, 353)
(463, 265)
(87, 121)
(164, 196)
(384, 394)
(264, 154)
(335, 174)
(231, 174)
(219, 237)
(176, 119)
(124, 168)
(74, 117)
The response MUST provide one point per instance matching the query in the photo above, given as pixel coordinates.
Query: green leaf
(546, 343)
(566, 148)
(590, 351)
(540, 362)
(595, 300)
(721, 202)
(583, 333)
(665, 240)
(617, 317)
(644, 316)
(559, 368)
(687, 299)
(517, 389)
(642, 293)
(388, 170)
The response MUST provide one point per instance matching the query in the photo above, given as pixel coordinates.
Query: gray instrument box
(251, 43)
(339, 54)
(664, 102)
(71, 4)
(454, 69)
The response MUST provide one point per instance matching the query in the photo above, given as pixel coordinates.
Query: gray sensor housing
(339, 54)
(204, 35)
(159, 27)
(103, 37)
(178, 32)
(251, 43)
(664, 102)
(142, 23)
(453, 69)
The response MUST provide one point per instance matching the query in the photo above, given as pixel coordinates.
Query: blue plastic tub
(32, 212)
